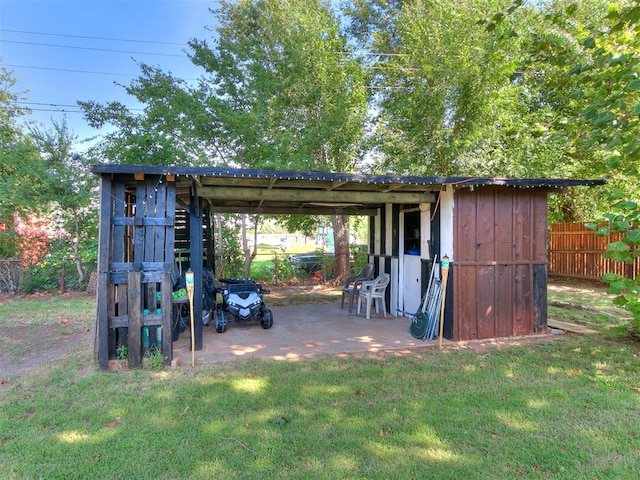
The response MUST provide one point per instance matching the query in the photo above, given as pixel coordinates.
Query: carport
(494, 231)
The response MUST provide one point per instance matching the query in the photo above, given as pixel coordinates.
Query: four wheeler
(241, 302)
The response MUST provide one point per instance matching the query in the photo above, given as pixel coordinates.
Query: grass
(563, 409)
(46, 310)
(584, 303)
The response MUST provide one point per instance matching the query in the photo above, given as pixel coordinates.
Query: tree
(20, 166)
(610, 86)
(68, 184)
(41, 179)
(280, 90)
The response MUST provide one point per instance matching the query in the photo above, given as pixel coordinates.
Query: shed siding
(500, 261)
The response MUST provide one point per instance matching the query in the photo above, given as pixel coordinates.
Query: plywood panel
(503, 300)
(504, 225)
(485, 302)
(522, 220)
(485, 225)
(465, 324)
(539, 226)
(466, 218)
(522, 316)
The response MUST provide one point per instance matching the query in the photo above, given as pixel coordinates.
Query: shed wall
(500, 262)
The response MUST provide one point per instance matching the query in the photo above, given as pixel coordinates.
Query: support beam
(306, 195)
(195, 246)
(363, 212)
(104, 247)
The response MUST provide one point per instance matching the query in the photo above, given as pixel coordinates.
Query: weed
(121, 352)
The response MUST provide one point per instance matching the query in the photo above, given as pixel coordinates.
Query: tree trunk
(341, 247)
(218, 263)
(248, 254)
(76, 252)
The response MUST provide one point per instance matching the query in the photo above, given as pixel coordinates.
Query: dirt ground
(27, 349)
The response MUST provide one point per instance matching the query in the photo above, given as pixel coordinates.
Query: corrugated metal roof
(343, 177)
(309, 193)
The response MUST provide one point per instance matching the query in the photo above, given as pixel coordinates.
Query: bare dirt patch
(28, 347)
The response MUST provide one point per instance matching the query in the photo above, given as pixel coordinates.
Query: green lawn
(566, 408)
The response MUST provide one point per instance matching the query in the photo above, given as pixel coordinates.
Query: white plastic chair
(374, 291)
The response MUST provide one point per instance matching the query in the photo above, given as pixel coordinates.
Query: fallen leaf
(576, 372)
(114, 423)
(493, 435)
(64, 321)
(249, 375)
(359, 392)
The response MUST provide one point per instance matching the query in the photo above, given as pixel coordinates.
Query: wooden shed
(493, 230)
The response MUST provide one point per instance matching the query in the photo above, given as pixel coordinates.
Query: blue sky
(86, 32)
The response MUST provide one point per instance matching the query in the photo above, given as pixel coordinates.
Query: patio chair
(373, 291)
(352, 284)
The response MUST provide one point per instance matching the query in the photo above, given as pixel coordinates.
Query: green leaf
(589, 42)
(634, 85)
(633, 237)
(604, 117)
(636, 110)
(618, 59)
(620, 226)
(610, 277)
(625, 205)
(620, 301)
(618, 246)
(576, 69)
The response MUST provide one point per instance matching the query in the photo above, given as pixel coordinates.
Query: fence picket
(575, 251)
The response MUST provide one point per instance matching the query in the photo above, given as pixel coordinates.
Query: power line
(94, 38)
(70, 71)
(94, 49)
(57, 110)
(82, 71)
(50, 104)
(60, 105)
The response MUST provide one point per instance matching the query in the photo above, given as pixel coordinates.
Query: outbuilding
(493, 230)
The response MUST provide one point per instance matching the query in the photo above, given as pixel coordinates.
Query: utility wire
(94, 38)
(82, 71)
(70, 71)
(63, 105)
(94, 49)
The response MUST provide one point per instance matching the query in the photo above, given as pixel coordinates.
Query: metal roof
(322, 193)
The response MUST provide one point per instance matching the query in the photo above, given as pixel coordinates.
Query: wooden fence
(575, 251)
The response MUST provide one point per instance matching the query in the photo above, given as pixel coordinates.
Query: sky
(63, 51)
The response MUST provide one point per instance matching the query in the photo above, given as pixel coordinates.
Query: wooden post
(104, 247)
(444, 265)
(195, 260)
(167, 316)
(134, 349)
